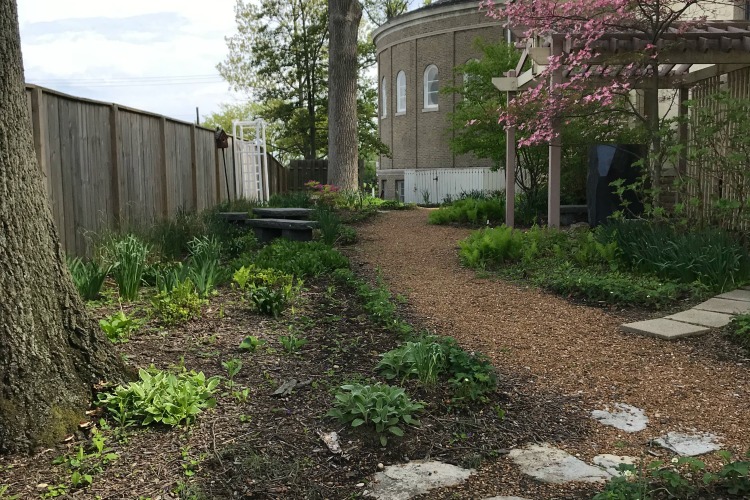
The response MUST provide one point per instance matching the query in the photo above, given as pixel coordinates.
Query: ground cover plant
(623, 263)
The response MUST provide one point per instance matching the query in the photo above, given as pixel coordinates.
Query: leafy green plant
(172, 235)
(204, 264)
(88, 277)
(168, 276)
(242, 396)
(491, 247)
(84, 464)
(347, 235)
(179, 305)
(709, 256)
(130, 255)
(739, 330)
(471, 210)
(118, 327)
(380, 406)
(291, 343)
(682, 477)
(233, 367)
(471, 374)
(251, 343)
(300, 258)
(160, 397)
(329, 223)
(609, 287)
(268, 301)
(423, 359)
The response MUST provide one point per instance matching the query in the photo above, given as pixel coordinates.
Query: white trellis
(252, 163)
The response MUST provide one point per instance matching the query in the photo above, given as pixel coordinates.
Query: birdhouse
(222, 139)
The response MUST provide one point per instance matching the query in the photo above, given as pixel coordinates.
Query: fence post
(166, 209)
(39, 125)
(218, 176)
(114, 130)
(194, 165)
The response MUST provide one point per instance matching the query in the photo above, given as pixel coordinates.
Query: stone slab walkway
(713, 313)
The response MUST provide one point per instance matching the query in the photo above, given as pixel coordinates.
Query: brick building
(416, 53)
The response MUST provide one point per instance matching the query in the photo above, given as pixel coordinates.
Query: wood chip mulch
(564, 348)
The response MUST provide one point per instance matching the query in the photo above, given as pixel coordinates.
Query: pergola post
(510, 168)
(555, 153)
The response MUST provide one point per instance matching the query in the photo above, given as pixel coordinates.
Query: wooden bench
(283, 213)
(270, 229)
(570, 214)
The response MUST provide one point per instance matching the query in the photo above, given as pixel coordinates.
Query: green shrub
(470, 375)
(610, 287)
(118, 327)
(423, 359)
(709, 256)
(269, 290)
(129, 254)
(204, 267)
(166, 276)
(347, 235)
(380, 406)
(739, 329)
(491, 247)
(235, 239)
(471, 211)
(161, 397)
(300, 258)
(179, 305)
(88, 277)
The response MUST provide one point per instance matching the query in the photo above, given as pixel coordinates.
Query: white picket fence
(439, 183)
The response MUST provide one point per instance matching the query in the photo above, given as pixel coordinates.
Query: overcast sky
(110, 51)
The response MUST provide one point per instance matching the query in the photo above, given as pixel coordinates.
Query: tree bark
(343, 25)
(50, 352)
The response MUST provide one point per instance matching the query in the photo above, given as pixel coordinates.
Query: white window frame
(426, 87)
(383, 98)
(401, 93)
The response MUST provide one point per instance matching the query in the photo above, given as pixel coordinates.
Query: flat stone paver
(403, 481)
(625, 417)
(743, 295)
(553, 465)
(703, 318)
(610, 463)
(689, 445)
(664, 328)
(725, 306)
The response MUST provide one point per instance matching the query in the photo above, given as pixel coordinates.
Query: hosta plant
(382, 407)
(161, 397)
(118, 327)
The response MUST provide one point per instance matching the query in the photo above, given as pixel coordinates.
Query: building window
(383, 99)
(431, 87)
(401, 92)
(400, 191)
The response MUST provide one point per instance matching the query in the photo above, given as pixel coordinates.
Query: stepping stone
(743, 295)
(403, 481)
(702, 318)
(552, 465)
(689, 445)
(610, 463)
(665, 328)
(725, 306)
(628, 418)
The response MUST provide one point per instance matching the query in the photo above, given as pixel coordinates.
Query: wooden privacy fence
(108, 166)
(302, 171)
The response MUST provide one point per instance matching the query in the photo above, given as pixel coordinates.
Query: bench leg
(267, 234)
(297, 234)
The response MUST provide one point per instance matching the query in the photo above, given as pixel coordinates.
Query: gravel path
(568, 349)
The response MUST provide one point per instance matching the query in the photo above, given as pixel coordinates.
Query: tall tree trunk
(343, 25)
(50, 353)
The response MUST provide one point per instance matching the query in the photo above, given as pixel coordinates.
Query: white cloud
(108, 50)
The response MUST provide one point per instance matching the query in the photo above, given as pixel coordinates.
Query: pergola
(686, 57)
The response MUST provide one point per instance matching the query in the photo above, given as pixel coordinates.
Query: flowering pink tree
(587, 78)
